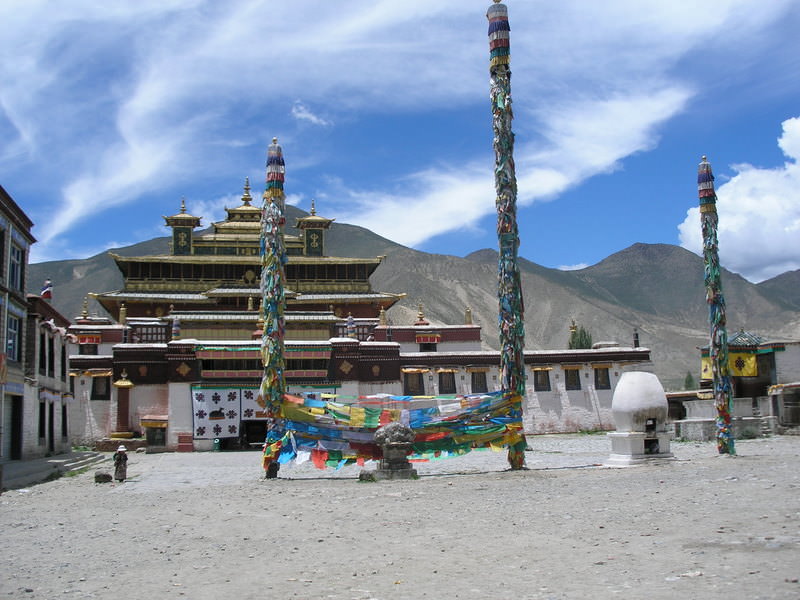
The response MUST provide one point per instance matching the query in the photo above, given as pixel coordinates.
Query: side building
(35, 397)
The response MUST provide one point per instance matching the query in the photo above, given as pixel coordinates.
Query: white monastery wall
(787, 363)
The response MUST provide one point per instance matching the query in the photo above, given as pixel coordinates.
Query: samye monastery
(181, 364)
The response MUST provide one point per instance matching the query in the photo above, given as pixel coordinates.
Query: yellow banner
(739, 365)
(743, 365)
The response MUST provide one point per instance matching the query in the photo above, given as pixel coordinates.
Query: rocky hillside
(655, 288)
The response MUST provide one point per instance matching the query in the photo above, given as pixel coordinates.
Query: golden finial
(183, 205)
(382, 317)
(85, 310)
(468, 316)
(246, 197)
(250, 303)
(420, 314)
(123, 381)
(313, 208)
(123, 313)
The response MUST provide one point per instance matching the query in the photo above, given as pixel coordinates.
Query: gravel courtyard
(207, 525)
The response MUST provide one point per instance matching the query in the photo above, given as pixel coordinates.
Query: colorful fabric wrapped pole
(510, 319)
(273, 259)
(718, 344)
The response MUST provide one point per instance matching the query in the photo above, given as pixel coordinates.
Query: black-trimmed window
(42, 353)
(572, 379)
(413, 384)
(42, 418)
(64, 422)
(447, 382)
(602, 381)
(478, 382)
(541, 380)
(16, 268)
(51, 357)
(101, 388)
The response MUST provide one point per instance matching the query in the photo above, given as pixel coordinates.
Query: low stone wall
(705, 430)
(111, 445)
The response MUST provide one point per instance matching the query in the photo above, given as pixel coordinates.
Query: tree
(579, 338)
(689, 383)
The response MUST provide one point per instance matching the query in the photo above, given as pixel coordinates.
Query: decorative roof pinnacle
(313, 208)
(246, 197)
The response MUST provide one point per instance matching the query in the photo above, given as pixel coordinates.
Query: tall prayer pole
(273, 258)
(512, 326)
(718, 345)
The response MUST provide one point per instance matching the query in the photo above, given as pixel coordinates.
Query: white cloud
(301, 112)
(759, 215)
(577, 267)
(583, 139)
(178, 77)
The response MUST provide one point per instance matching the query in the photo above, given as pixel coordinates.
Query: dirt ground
(209, 526)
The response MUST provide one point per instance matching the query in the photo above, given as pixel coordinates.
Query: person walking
(121, 464)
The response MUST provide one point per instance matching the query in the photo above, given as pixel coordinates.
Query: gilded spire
(421, 316)
(313, 208)
(246, 197)
(85, 309)
(468, 316)
(382, 320)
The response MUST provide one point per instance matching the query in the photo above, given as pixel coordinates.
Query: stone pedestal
(393, 465)
(632, 448)
(395, 441)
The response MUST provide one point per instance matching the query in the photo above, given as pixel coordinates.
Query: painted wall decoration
(216, 412)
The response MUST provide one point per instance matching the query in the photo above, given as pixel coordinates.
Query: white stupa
(640, 409)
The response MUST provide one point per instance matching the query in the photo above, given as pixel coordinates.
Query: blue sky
(110, 112)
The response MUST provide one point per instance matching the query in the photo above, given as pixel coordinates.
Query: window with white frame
(13, 338)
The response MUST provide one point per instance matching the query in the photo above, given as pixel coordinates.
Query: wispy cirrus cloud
(301, 112)
(593, 85)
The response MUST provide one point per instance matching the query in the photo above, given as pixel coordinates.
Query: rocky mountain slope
(654, 288)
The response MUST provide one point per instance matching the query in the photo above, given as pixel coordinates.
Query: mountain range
(655, 289)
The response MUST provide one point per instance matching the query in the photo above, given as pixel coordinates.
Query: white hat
(122, 449)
